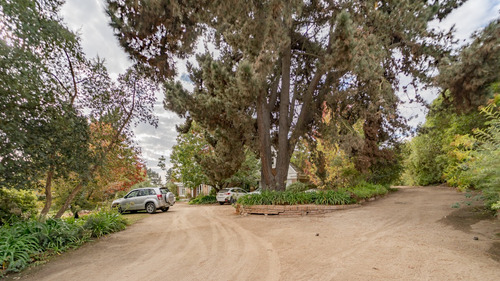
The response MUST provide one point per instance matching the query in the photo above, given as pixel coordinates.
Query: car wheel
(150, 208)
(222, 203)
(165, 209)
(232, 201)
(120, 210)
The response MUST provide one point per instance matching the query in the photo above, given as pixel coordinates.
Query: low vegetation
(25, 242)
(16, 204)
(203, 199)
(321, 197)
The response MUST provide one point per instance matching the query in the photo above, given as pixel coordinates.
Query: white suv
(149, 199)
(230, 195)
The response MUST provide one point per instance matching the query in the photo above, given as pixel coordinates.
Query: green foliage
(104, 222)
(197, 161)
(27, 241)
(366, 190)
(186, 168)
(280, 64)
(432, 156)
(330, 197)
(16, 204)
(298, 187)
(423, 164)
(16, 249)
(203, 199)
(153, 177)
(387, 171)
(483, 163)
(342, 196)
(469, 74)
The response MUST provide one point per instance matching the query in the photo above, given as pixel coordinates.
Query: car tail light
(229, 193)
(160, 196)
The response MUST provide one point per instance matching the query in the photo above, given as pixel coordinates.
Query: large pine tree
(279, 64)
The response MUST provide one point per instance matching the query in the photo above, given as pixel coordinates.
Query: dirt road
(412, 234)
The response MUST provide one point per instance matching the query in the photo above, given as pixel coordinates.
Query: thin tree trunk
(114, 141)
(48, 192)
(69, 200)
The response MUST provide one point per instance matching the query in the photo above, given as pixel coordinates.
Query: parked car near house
(148, 198)
(230, 195)
(257, 191)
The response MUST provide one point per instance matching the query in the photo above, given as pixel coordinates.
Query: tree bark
(283, 157)
(68, 201)
(48, 192)
(263, 129)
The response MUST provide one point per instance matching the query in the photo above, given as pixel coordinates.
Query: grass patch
(366, 190)
(135, 217)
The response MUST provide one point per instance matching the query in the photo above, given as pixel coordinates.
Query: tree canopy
(280, 63)
(61, 116)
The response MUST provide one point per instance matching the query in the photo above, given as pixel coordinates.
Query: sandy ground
(412, 234)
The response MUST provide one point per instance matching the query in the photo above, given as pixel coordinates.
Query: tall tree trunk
(264, 127)
(48, 192)
(283, 158)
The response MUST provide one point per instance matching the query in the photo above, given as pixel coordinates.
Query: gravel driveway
(412, 234)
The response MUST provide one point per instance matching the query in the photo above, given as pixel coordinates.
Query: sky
(88, 19)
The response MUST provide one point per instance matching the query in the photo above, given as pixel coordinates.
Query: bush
(366, 190)
(16, 205)
(323, 197)
(24, 242)
(203, 199)
(16, 248)
(330, 197)
(298, 187)
(104, 222)
(27, 241)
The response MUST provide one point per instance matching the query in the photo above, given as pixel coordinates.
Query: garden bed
(296, 210)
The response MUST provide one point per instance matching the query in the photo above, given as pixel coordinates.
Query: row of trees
(63, 122)
(279, 66)
(459, 142)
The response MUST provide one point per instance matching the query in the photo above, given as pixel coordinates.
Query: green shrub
(24, 242)
(323, 197)
(298, 187)
(16, 248)
(16, 204)
(330, 197)
(367, 190)
(104, 222)
(203, 199)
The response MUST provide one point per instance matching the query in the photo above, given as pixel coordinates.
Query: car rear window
(224, 190)
(164, 190)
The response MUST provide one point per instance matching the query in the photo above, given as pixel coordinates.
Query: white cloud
(89, 19)
(470, 17)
